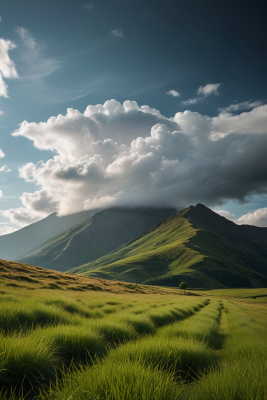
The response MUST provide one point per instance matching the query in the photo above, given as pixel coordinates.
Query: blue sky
(199, 67)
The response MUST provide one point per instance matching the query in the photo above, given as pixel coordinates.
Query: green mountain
(95, 237)
(19, 244)
(196, 245)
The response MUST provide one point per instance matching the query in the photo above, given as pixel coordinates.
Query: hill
(14, 275)
(19, 244)
(96, 236)
(196, 245)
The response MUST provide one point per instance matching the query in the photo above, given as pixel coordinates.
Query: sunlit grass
(115, 381)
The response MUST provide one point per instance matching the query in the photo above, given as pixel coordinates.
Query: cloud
(117, 33)
(7, 66)
(21, 216)
(5, 229)
(89, 6)
(0, 18)
(3, 168)
(123, 154)
(189, 102)
(1, 194)
(203, 92)
(211, 88)
(2, 154)
(256, 218)
(246, 105)
(35, 65)
(173, 93)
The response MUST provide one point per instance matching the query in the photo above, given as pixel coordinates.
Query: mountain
(19, 244)
(196, 245)
(95, 237)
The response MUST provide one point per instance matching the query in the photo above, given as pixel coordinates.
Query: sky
(132, 103)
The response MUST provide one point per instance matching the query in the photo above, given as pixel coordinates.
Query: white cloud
(4, 229)
(89, 6)
(117, 33)
(211, 88)
(37, 66)
(2, 154)
(246, 105)
(189, 102)
(21, 216)
(256, 218)
(173, 93)
(123, 154)
(252, 122)
(202, 92)
(7, 66)
(1, 194)
(3, 168)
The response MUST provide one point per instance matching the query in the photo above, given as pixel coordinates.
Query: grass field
(96, 344)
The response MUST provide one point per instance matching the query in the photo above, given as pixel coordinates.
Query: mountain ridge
(196, 245)
(103, 232)
(18, 244)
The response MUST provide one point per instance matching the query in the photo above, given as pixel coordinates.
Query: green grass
(182, 356)
(71, 342)
(149, 347)
(203, 327)
(115, 381)
(24, 360)
(242, 370)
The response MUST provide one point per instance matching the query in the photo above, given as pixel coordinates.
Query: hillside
(19, 244)
(196, 245)
(96, 236)
(14, 275)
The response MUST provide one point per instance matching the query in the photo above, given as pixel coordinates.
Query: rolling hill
(15, 276)
(196, 245)
(19, 244)
(96, 236)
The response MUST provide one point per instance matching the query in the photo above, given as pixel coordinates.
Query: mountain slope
(196, 245)
(19, 244)
(95, 237)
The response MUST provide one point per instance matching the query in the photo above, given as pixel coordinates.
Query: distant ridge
(19, 244)
(196, 245)
(94, 237)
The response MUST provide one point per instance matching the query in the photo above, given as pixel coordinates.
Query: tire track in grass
(61, 343)
(241, 373)
(177, 313)
(152, 355)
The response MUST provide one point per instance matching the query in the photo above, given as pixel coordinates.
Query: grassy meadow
(63, 343)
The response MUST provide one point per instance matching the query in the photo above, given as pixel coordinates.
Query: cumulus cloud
(2, 154)
(37, 66)
(257, 218)
(173, 93)
(3, 168)
(89, 6)
(7, 66)
(246, 105)
(117, 33)
(123, 154)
